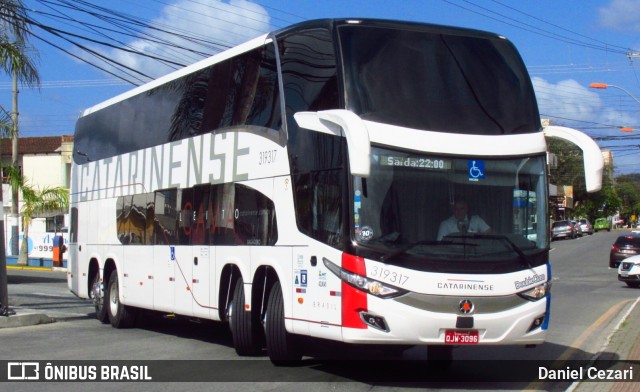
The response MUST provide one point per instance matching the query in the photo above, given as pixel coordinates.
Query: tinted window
(73, 232)
(435, 79)
(310, 84)
(240, 92)
(628, 240)
(242, 216)
(319, 212)
(224, 214)
(310, 80)
(200, 224)
(223, 202)
(255, 218)
(185, 216)
(135, 216)
(165, 217)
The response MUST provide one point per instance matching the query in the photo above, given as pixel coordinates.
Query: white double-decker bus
(296, 185)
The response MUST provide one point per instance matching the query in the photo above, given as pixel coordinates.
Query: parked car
(563, 229)
(601, 224)
(585, 226)
(629, 271)
(576, 227)
(625, 246)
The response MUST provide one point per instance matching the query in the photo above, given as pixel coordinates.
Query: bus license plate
(460, 337)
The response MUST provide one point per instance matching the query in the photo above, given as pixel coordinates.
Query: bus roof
(266, 38)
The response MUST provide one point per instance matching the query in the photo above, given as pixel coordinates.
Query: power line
(502, 18)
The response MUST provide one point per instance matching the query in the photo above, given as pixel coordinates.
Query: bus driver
(460, 222)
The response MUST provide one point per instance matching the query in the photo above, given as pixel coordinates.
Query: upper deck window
(437, 80)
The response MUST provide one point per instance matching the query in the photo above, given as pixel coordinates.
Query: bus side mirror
(593, 161)
(342, 122)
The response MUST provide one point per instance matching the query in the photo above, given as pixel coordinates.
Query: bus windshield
(441, 213)
(435, 81)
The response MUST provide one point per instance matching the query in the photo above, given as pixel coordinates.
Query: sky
(566, 45)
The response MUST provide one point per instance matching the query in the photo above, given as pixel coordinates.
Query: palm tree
(35, 201)
(15, 61)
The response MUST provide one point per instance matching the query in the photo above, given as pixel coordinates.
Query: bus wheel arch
(228, 280)
(264, 279)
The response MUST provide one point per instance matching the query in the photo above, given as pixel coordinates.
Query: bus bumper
(400, 323)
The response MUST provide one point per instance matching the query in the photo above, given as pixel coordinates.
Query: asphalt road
(588, 302)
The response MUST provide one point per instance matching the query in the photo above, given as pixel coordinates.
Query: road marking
(576, 344)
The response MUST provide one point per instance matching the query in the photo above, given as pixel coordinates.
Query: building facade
(44, 162)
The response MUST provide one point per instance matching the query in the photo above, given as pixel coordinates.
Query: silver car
(585, 226)
(563, 229)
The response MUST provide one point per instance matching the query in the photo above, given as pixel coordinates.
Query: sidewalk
(623, 345)
(27, 317)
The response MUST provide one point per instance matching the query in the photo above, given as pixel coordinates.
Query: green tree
(570, 171)
(35, 201)
(16, 61)
(628, 189)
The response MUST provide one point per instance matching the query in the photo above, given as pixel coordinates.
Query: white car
(629, 271)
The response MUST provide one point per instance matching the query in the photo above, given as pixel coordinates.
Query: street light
(604, 86)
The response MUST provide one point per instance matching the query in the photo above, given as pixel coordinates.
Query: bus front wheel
(120, 315)
(281, 345)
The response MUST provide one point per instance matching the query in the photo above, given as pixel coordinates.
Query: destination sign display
(415, 162)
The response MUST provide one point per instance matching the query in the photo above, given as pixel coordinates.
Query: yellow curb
(28, 268)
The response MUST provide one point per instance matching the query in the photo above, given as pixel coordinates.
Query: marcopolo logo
(530, 280)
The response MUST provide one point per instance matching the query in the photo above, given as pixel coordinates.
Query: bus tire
(243, 326)
(281, 345)
(120, 315)
(98, 298)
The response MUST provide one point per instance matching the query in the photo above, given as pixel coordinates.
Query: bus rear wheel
(243, 325)
(97, 296)
(120, 315)
(281, 345)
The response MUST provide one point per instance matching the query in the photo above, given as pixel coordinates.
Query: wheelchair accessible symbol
(476, 170)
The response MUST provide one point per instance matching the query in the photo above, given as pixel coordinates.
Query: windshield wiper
(412, 245)
(521, 256)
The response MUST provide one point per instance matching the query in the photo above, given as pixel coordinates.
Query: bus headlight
(363, 283)
(537, 292)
